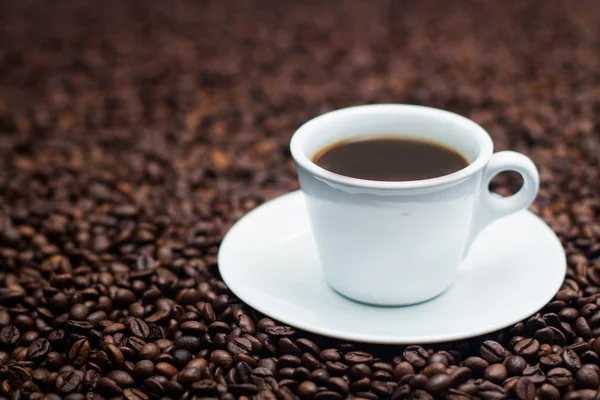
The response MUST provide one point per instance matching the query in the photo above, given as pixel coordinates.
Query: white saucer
(269, 260)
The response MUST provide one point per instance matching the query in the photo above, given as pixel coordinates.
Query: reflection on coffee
(389, 158)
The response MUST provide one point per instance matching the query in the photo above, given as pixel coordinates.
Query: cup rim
(305, 130)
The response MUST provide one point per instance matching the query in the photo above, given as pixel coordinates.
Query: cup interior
(425, 123)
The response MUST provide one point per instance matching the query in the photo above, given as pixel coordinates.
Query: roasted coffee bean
(359, 371)
(79, 327)
(134, 394)
(242, 372)
(580, 394)
(527, 348)
(568, 314)
(328, 395)
(421, 395)
(28, 337)
(307, 389)
(416, 356)
(247, 389)
(280, 331)
(309, 361)
(90, 377)
(509, 384)
(438, 357)
(381, 376)
(535, 374)
(320, 376)
(287, 346)
(454, 394)
(571, 359)
(301, 374)
(221, 358)
(139, 328)
(246, 324)
(490, 391)
(191, 343)
(336, 368)
(559, 377)
(38, 349)
(165, 369)
(358, 357)
(256, 344)
(115, 355)
(79, 352)
(143, 369)
(156, 384)
(121, 378)
(383, 367)
(384, 389)
(579, 347)
(360, 385)
(69, 381)
(477, 364)
(514, 340)
(550, 335)
(545, 349)
(496, 373)
(73, 396)
(194, 328)
(189, 375)
(123, 298)
(288, 361)
(515, 364)
(403, 368)
(492, 351)
(567, 295)
(551, 361)
(434, 369)
(23, 322)
(330, 355)
(9, 335)
(338, 385)
(268, 363)
(587, 378)
(286, 373)
(469, 387)
(261, 373)
(459, 376)
(438, 383)
(108, 388)
(79, 312)
(524, 389)
(159, 317)
(182, 357)
(307, 345)
(239, 346)
(549, 392)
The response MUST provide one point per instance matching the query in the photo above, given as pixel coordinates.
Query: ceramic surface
(269, 260)
(398, 243)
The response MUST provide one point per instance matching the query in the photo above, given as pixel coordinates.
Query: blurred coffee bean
(492, 351)
(496, 373)
(416, 356)
(559, 377)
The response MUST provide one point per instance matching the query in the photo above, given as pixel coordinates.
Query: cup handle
(489, 206)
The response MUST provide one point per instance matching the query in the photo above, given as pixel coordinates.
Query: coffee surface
(389, 158)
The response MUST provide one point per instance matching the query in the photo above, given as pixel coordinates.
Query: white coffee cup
(399, 243)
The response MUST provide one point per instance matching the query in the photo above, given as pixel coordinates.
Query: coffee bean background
(135, 133)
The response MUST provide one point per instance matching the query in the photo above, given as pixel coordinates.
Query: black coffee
(386, 158)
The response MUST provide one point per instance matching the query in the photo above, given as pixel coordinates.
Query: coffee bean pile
(135, 133)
